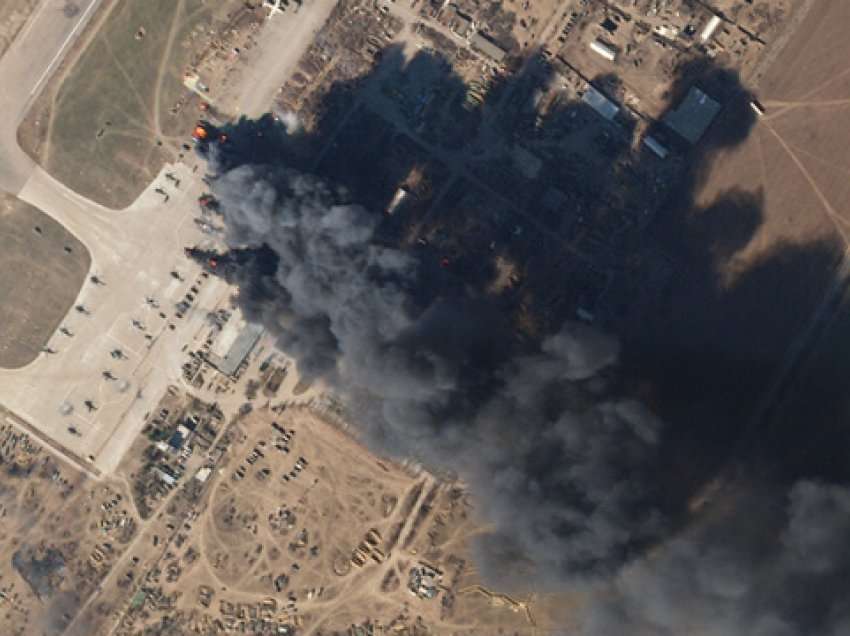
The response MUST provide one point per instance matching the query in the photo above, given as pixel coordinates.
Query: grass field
(40, 279)
(103, 125)
(13, 16)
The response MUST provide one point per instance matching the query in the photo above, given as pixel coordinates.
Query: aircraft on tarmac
(107, 375)
(83, 310)
(138, 324)
(66, 332)
(49, 350)
(90, 405)
(150, 300)
(117, 354)
(97, 280)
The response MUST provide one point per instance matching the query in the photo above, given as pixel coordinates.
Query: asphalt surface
(24, 69)
(134, 251)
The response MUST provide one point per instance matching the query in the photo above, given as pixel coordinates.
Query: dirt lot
(118, 106)
(40, 279)
(13, 16)
(302, 526)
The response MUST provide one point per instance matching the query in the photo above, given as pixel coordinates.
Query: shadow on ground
(614, 233)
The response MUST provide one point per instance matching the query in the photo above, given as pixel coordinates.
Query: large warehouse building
(234, 344)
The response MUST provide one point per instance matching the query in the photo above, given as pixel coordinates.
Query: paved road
(280, 45)
(24, 69)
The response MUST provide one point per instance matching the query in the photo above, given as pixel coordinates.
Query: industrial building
(488, 47)
(233, 345)
(605, 50)
(601, 104)
(693, 116)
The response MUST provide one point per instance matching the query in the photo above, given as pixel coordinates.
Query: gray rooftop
(487, 47)
(239, 350)
(693, 115)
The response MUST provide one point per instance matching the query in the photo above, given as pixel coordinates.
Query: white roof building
(605, 50)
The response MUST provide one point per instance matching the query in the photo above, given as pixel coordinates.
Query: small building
(203, 474)
(693, 116)
(176, 441)
(488, 47)
(757, 107)
(398, 198)
(605, 50)
(462, 25)
(165, 477)
(710, 28)
(655, 146)
(601, 104)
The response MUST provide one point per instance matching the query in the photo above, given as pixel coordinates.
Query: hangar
(691, 118)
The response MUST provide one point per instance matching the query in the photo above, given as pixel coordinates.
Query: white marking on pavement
(62, 48)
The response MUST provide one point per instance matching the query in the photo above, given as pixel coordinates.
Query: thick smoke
(557, 459)
(563, 464)
(732, 581)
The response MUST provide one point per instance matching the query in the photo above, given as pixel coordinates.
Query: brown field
(808, 94)
(40, 279)
(757, 234)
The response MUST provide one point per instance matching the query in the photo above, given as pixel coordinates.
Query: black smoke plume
(572, 473)
(558, 460)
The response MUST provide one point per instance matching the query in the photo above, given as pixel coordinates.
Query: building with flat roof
(693, 116)
(601, 104)
(233, 345)
(488, 47)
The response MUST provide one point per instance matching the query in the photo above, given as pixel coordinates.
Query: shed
(710, 28)
(605, 50)
(655, 146)
(487, 47)
(601, 104)
(176, 440)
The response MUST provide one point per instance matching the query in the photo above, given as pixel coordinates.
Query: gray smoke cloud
(728, 580)
(561, 462)
(557, 459)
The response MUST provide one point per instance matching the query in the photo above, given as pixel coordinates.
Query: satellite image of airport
(425, 317)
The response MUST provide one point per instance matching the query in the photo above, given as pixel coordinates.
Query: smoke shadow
(537, 214)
